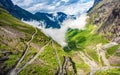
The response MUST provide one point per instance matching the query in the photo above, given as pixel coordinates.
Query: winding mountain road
(92, 64)
(101, 51)
(31, 60)
(13, 71)
(57, 57)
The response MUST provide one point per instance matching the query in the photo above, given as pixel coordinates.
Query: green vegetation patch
(80, 39)
(112, 50)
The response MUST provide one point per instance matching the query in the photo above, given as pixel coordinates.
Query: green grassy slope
(102, 28)
(14, 35)
(86, 41)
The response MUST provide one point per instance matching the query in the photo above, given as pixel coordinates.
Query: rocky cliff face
(106, 15)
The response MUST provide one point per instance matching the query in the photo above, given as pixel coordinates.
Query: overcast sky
(71, 7)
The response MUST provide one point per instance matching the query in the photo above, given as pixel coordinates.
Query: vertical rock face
(106, 15)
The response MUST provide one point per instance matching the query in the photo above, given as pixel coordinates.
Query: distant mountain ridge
(94, 4)
(50, 19)
(20, 13)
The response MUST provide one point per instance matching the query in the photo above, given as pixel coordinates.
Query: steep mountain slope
(98, 44)
(20, 13)
(26, 50)
(100, 55)
(107, 16)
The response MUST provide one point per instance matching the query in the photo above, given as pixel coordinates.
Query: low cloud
(59, 34)
(70, 7)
